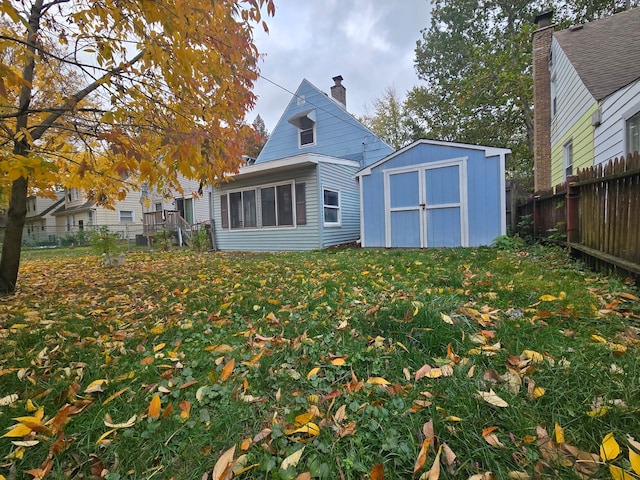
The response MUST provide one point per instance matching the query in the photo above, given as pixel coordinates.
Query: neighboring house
(78, 213)
(586, 94)
(301, 193)
(434, 194)
(176, 211)
(40, 224)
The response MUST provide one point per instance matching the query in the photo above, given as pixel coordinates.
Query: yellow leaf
(534, 356)
(618, 473)
(453, 418)
(159, 347)
(434, 472)
(312, 372)
(115, 395)
(157, 330)
(154, 406)
(227, 370)
(30, 406)
(97, 386)
(105, 435)
(422, 456)
(547, 298)
(434, 373)
(519, 475)
(292, 460)
(493, 399)
(538, 392)
(310, 428)
(609, 449)
(599, 412)
(559, 433)
(377, 381)
(224, 348)
(246, 444)
(598, 338)
(634, 454)
(338, 361)
(19, 430)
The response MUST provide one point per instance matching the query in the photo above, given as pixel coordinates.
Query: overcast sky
(370, 43)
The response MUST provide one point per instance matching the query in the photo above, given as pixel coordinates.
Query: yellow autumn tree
(112, 94)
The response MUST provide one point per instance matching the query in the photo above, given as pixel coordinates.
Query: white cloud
(370, 43)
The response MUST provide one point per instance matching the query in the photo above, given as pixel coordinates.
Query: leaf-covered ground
(338, 364)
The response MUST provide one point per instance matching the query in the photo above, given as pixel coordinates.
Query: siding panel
(341, 178)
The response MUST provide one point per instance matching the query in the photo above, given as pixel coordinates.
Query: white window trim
(625, 118)
(567, 147)
(300, 145)
(257, 189)
(133, 216)
(336, 207)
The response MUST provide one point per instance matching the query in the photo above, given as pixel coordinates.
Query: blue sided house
(434, 194)
(301, 193)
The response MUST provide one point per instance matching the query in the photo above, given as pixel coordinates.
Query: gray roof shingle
(605, 52)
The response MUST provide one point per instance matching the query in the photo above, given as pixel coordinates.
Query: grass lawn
(340, 364)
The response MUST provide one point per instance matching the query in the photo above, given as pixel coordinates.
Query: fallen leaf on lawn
(115, 395)
(312, 372)
(227, 370)
(534, 356)
(97, 386)
(446, 318)
(292, 460)
(599, 339)
(129, 423)
(154, 406)
(609, 448)
(482, 476)
(338, 361)
(453, 418)
(25, 443)
(160, 346)
(520, 475)
(634, 454)
(599, 412)
(538, 392)
(434, 472)
(492, 439)
(246, 444)
(146, 361)
(224, 348)
(8, 400)
(377, 472)
(559, 433)
(428, 432)
(264, 433)
(618, 473)
(547, 298)
(185, 409)
(304, 476)
(341, 414)
(422, 456)
(19, 430)
(105, 435)
(493, 399)
(449, 459)
(223, 469)
(377, 381)
(310, 428)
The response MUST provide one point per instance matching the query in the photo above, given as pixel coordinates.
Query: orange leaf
(377, 472)
(154, 406)
(422, 456)
(146, 361)
(185, 408)
(227, 370)
(312, 372)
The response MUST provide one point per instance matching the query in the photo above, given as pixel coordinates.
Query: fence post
(573, 207)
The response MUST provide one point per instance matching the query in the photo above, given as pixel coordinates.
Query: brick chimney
(338, 92)
(542, 101)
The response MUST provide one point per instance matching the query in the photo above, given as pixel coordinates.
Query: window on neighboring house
(567, 155)
(73, 194)
(126, 216)
(633, 133)
(157, 207)
(90, 219)
(331, 204)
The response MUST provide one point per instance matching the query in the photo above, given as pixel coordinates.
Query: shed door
(425, 207)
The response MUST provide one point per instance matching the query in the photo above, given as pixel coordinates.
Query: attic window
(305, 122)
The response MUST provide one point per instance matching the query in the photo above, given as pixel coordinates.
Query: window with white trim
(567, 155)
(242, 209)
(307, 132)
(331, 207)
(126, 216)
(632, 132)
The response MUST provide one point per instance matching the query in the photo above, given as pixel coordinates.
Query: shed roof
(605, 52)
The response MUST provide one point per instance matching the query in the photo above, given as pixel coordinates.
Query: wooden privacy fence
(597, 214)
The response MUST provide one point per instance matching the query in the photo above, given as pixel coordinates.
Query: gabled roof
(79, 208)
(605, 52)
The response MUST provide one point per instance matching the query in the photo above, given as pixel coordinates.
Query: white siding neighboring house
(39, 226)
(193, 206)
(79, 213)
(594, 105)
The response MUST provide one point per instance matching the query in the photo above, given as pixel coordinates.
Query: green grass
(167, 324)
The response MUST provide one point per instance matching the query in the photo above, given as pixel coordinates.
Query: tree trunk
(13, 237)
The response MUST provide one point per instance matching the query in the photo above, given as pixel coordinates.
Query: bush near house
(344, 363)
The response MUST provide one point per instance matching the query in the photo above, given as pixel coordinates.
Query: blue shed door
(425, 207)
